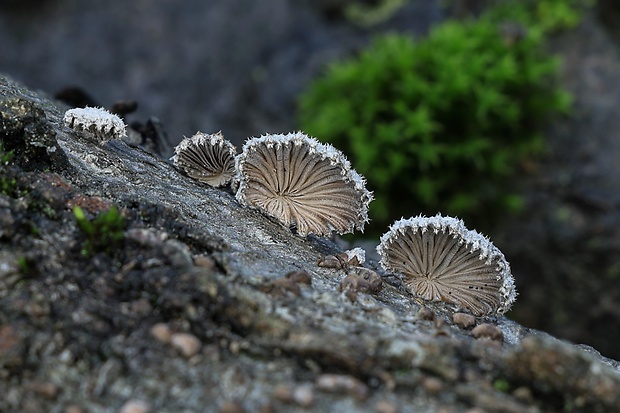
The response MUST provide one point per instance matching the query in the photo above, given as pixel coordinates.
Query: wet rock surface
(178, 317)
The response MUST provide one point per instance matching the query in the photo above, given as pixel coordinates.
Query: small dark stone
(300, 277)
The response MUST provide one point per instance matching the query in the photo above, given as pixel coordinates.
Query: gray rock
(82, 324)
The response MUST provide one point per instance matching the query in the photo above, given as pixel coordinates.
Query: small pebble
(303, 395)
(75, 409)
(46, 390)
(281, 286)
(161, 332)
(231, 407)
(425, 313)
(283, 393)
(432, 385)
(523, 393)
(339, 383)
(204, 262)
(135, 406)
(487, 330)
(332, 261)
(464, 320)
(385, 406)
(300, 277)
(353, 282)
(351, 295)
(374, 280)
(187, 344)
(368, 281)
(141, 307)
(9, 339)
(266, 408)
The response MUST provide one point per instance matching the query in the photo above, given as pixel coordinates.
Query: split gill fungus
(206, 158)
(303, 183)
(441, 260)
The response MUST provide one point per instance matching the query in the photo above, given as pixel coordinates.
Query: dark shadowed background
(235, 66)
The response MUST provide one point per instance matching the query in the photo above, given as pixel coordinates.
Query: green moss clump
(441, 124)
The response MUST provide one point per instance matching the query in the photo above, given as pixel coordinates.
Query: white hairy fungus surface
(206, 158)
(96, 121)
(441, 260)
(302, 183)
(358, 254)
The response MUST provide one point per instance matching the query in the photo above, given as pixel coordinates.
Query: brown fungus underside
(302, 183)
(443, 261)
(206, 158)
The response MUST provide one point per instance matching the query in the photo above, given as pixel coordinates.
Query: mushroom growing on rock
(96, 121)
(441, 260)
(206, 158)
(302, 183)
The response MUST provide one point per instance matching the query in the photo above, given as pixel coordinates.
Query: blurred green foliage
(444, 123)
(367, 14)
(545, 15)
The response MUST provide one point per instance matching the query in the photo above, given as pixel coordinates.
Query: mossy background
(445, 123)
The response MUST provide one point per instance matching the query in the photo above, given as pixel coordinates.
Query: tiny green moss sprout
(7, 186)
(104, 233)
(501, 385)
(32, 228)
(5, 156)
(27, 266)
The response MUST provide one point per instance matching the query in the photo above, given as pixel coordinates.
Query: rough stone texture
(76, 331)
(238, 65)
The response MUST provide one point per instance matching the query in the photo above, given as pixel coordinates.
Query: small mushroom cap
(97, 121)
(441, 260)
(206, 158)
(302, 182)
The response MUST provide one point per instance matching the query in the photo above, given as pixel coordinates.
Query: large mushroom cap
(206, 158)
(441, 260)
(302, 183)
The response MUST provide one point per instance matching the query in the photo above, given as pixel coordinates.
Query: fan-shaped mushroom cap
(441, 260)
(302, 182)
(206, 158)
(98, 121)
